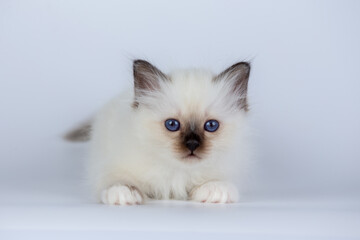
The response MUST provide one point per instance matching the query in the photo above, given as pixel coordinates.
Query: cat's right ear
(146, 77)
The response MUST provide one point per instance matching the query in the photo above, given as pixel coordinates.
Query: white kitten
(177, 136)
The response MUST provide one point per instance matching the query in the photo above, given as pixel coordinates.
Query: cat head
(190, 115)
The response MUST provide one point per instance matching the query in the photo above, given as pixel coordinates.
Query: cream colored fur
(132, 156)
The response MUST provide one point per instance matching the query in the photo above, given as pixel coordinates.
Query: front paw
(215, 192)
(121, 195)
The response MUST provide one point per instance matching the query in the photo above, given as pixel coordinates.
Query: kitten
(177, 136)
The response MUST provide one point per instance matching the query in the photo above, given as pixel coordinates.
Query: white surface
(37, 211)
(61, 60)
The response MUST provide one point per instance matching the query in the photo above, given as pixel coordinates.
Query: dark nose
(192, 144)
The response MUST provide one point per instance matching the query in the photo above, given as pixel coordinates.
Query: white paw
(121, 195)
(215, 192)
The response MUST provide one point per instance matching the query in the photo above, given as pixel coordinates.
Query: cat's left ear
(237, 76)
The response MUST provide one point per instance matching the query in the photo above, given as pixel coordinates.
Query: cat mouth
(192, 156)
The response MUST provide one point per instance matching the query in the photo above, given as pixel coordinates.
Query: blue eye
(172, 125)
(211, 125)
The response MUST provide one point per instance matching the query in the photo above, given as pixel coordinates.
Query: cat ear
(146, 77)
(237, 76)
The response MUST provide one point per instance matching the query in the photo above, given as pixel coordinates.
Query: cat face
(190, 115)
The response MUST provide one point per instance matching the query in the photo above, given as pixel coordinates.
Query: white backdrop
(61, 60)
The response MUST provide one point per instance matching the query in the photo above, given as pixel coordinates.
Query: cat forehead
(192, 87)
(191, 76)
(191, 94)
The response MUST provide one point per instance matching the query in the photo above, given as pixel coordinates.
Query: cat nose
(192, 144)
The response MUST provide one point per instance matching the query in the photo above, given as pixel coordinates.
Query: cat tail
(82, 133)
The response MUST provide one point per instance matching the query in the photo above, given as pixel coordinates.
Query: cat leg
(215, 192)
(120, 194)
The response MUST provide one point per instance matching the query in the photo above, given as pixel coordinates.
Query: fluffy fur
(134, 157)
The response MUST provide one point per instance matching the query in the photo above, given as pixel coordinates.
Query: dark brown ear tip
(140, 62)
(246, 65)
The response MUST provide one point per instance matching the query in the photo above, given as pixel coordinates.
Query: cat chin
(191, 158)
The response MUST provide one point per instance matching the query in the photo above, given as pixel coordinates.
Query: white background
(62, 60)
